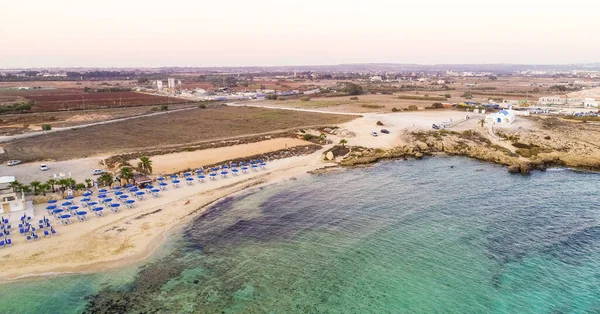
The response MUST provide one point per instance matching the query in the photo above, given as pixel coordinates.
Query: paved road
(4, 139)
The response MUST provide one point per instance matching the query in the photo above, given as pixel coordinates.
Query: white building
(503, 117)
(590, 102)
(376, 78)
(171, 82)
(159, 85)
(13, 205)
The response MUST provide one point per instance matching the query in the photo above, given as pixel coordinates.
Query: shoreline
(142, 250)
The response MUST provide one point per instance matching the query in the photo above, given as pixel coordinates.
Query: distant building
(590, 102)
(170, 82)
(503, 117)
(159, 85)
(12, 205)
(376, 78)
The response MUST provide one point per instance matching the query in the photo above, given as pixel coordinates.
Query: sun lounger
(1, 243)
(53, 231)
(46, 233)
(8, 242)
(29, 238)
(35, 236)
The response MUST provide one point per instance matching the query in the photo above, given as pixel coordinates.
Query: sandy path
(171, 163)
(131, 235)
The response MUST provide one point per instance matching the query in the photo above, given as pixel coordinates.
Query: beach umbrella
(140, 193)
(161, 179)
(244, 168)
(199, 171)
(176, 181)
(88, 193)
(81, 213)
(52, 201)
(155, 190)
(201, 177)
(254, 166)
(259, 160)
(224, 167)
(164, 184)
(251, 162)
(189, 179)
(65, 216)
(215, 168)
(263, 164)
(129, 185)
(70, 197)
(117, 188)
(174, 176)
(107, 200)
(97, 209)
(58, 210)
(74, 208)
(134, 189)
(102, 196)
(224, 173)
(92, 203)
(130, 201)
(233, 165)
(123, 197)
(85, 199)
(187, 174)
(67, 204)
(213, 175)
(234, 171)
(149, 187)
(102, 191)
(119, 193)
(115, 205)
(51, 207)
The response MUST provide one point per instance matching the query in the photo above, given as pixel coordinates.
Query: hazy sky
(46, 33)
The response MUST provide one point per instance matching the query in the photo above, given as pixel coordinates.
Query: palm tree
(51, 183)
(63, 183)
(145, 165)
(43, 188)
(482, 122)
(25, 188)
(343, 142)
(79, 186)
(126, 173)
(106, 178)
(35, 186)
(71, 182)
(15, 185)
(88, 182)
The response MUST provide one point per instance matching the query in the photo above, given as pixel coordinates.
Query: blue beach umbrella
(67, 204)
(164, 184)
(97, 209)
(74, 208)
(233, 165)
(176, 181)
(92, 203)
(52, 201)
(149, 187)
(201, 177)
(187, 174)
(87, 193)
(161, 179)
(117, 188)
(107, 200)
(119, 193)
(124, 196)
(81, 213)
(174, 176)
(130, 201)
(114, 205)
(65, 216)
(51, 207)
(213, 174)
(102, 191)
(128, 185)
(102, 196)
(70, 197)
(140, 193)
(224, 167)
(58, 210)
(85, 199)
(189, 179)
(155, 190)
(234, 170)
(224, 173)
(215, 168)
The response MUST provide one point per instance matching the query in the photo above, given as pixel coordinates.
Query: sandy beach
(119, 239)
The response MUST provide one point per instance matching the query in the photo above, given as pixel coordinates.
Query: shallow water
(403, 236)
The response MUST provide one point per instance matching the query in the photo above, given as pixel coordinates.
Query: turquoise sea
(439, 235)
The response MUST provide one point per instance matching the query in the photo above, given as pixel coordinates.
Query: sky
(132, 33)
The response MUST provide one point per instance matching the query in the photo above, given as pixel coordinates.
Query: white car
(374, 134)
(43, 167)
(97, 172)
(13, 162)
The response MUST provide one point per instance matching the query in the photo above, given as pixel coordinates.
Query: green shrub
(46, 127)
(394, 109)
(413, 108)
(202, 106)
(448, 96)
(308, 137)
(164, 108)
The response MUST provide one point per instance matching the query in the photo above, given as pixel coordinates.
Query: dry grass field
(185, 127)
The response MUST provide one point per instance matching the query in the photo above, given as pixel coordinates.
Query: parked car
(384, 131)
(43, 167)
(374, 134)
(97, 172)
(435, 126)
(13, 162)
